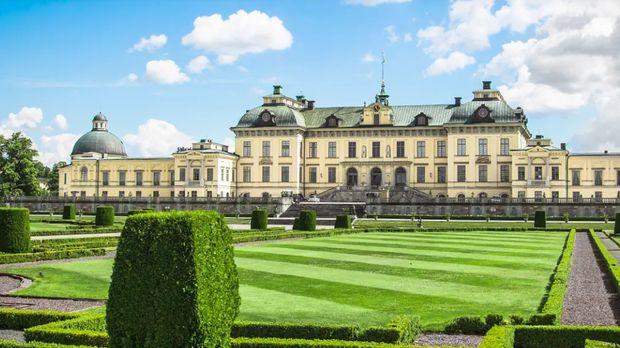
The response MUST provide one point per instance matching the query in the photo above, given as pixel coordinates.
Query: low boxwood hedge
(610, 260)
(15, 344)
(68, 212)
(50, 255)
(14, 230)
(77, 231)
(554, 302)
(19, 319)
(259, 219)
(104, 216)
(601, 344)
(499, 337)
(617, 224)
(563, 336)
(301, 343)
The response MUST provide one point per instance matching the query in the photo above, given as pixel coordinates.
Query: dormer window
(376, 119)
(421, 120)
(266, 118)
(482, 115)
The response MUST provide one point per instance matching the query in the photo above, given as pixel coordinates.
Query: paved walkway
(590, 298)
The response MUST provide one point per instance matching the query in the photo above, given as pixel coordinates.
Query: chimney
(457, 101)
(277, 89)
(310, 105)
(540, 136)
(486, 84)
(300, 98)
(563, 146)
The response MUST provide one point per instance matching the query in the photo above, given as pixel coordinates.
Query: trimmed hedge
(610, 260)
(15, 230)
(300, 343)
(499, 337)
(307, 220)
(68, 212)
(554, 303)
(19, 319)
(343, 221)
(174, 282)
(286, 330)
(259, 219)
(466, 326)
(104, 216)
(601, 344)
(77, 231)
(50, 255)
(540, 219)
(15, 344)
(563, 336)
(617, 224)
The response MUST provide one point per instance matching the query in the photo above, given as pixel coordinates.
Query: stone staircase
(326, 209)
(365, 194)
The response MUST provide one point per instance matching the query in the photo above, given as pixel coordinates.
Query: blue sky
(76, 58)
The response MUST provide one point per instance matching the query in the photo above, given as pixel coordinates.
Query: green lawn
(481, 225)
(365, 278)
(46, 226)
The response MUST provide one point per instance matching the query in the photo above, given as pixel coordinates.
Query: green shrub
(617, 224)
(466, 326)
(563, 336)
(409, 329)
(300, 343)
(601, 344)
(296, 225)
(15, 344)
(67, 336)
(148, 210)
(68, 212)
(554, 303)
(135, 212)
(174, 282)
(14, 230)
(259, 219)
(492, 320)
(541, 319)
(304, 331)
(19, 319)
(307, 220)
(104, 216)
(50, 255)
(610, 260)
(343, 221)
(498, 337)
(540, 219)
(517, 320)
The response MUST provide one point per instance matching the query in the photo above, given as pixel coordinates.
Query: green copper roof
(285, 116)
(500, 111)
(99, 141)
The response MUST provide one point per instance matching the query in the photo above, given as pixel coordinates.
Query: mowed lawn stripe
(424, 287)
(522, 238)
(448, 276)
(431, 309)
(413, 255)
(367, 258)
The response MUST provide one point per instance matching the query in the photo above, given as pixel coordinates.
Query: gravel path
(448, 340)
(590, 298)
(12, 335)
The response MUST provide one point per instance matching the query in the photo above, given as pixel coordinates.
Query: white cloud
(243, 69)
(60, 121)
(374, 2)
(56, 147)
(198, 64)
(132, 77)
(157, 138)
(27, 117)
(241, 33)
(165, 72)
(407, 37)
(151, 44)
(454, 61)
(368, 57)
(392, 35)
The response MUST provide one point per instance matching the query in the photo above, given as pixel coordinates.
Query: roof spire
(382, 97)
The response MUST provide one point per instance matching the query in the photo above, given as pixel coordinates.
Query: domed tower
(99, 142)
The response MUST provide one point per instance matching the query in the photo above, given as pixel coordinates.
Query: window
(284, 173)
(196, 174)
(286, 148)
(376, 119)
(483, 147)
(210, 174)
(441, 148)
(209, 194)
(598, 195)
(555, 195)
(221, 173)
(421, 149)
(104, 194)
(139, 178)
(121, 193)
(461, 147)
(538, 173)
(576, 196)
(504, 173)
(421, 174)
(266, 174)
(138, 194)
(227, 174)
(441, 175)
(617, 178)
(181, 193)
(555, 173)
(171, 175)
(266, 148)
(483, 172)
(247, 174)
(313, 150)
(331, 149)
(400, 149)
(105, 178)
(84, 174)
(155, 194)
(331, 175)
(194, 194)
(122, 178)
(521, 173)
(156, 178)
(400, 174)
(182, 174)
(504, 146)
(353, 151)
(538, 195)
(82, 194)
(312, 174)
(65, 177)
(376, 149)
(521, 194)
(247, 149)
(460, 173)
(576, 177)
(598, 177)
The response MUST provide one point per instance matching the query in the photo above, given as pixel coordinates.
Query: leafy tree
(18, 170)
(52, 178)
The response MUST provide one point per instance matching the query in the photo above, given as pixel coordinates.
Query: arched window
(351, 177)
(375, 177)
(461, 197)
(482, 195)
(400, 174)
(84, 174)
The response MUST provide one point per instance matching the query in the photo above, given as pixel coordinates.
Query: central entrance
(351, 177)
(375, 177)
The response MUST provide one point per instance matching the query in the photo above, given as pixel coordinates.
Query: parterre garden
(349, 288)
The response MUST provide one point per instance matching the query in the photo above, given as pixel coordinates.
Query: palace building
(479, 148)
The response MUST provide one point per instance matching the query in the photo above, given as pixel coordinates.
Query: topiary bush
(617, 224)
(104, 216)
(540, 219)
(68, 212)
(343, 221)
(15, 230)
(174, 282)
(307, 220)
(466, 326)
(493, 320)
(259, 219)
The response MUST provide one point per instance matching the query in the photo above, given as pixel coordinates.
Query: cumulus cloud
(157, 138)
(368, 57)
(374, 2)
(241, 33)
(454, 61)
(27, 117)
(60, 121)
(150, 44)
(198, 64)
(132, 77)
(56, 148)
(165, 72)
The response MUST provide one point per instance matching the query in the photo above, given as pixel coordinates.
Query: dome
(99, 141)
(99, 117)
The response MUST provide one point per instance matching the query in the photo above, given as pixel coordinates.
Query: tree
(18, 171)
(52, 178)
